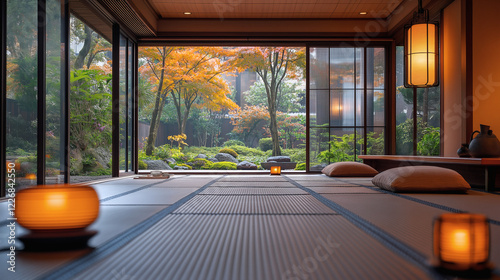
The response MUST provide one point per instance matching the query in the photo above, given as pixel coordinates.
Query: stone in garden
(318, 167)
(213, 159)
(201, 156)
(225, 157)
(279, 159)
(246, 165)
(177, 167)
(171, 161)
(157, 165)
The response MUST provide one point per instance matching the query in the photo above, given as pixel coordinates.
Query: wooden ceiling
(273, 9)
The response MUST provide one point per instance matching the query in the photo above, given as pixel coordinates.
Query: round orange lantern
(57, 207)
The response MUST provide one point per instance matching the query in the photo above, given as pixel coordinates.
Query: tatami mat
(157, 196)
(263, 178)
(254, 204)
(259, 184)
(407, 221)
(473, 201)
(112, 221)
(251, 191)
(339, 190)
(253, 247)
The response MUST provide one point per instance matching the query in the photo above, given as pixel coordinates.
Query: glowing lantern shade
(421, 52)
(275, 170)
(57, 207)
(462, 242)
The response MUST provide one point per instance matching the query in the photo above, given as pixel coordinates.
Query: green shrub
(246, 151)
(229, 151)
(101, 172)
(201, 163)
(266, 144)
(233, 143)
(142, 165)
(185, 165)
(301, 166)
(162, 152)
(296, 155)
(224, 165)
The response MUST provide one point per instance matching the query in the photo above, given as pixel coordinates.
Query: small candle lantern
(462, 244)
(275, 170)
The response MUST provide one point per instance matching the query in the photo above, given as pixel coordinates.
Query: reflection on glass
(342, 68)
(342, 108)
(318, 68)
(21, 119)
(318, 108)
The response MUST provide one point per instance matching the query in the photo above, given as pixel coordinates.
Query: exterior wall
(486, 64)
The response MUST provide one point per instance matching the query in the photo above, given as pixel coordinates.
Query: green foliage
(101, 172)
(301, 166)
(178, 156)
(224, 165)
(233, 143)
(162, 152)
(430, 143)
(428, 138)
(296, 155)
(229, 151)
(266, 144)
(246, 151)
(341, 149)
(185, 165)
(201, 163)
(142, 165)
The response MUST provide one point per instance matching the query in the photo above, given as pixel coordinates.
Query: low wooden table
(476, 171)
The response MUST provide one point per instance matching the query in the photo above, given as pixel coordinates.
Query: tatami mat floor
(254, 227)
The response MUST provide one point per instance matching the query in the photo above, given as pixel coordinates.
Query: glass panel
(54, 155)
(404, 109)
(360, 107)
(341, 145)
(318, 68)
(318, 148)
(123, 102)
(428, 110)
(90, 106)
(130, 102)
(21, 119)
(375, 141)
(360, 143)
(360, 68)
(319, 108)
(342, 68)
(378, 67)
(342, 108)
(375, 104)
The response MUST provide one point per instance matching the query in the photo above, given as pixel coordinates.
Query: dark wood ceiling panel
(279, 9)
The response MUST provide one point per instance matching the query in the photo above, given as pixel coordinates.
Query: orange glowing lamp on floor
(275, 170)
(57, 212)
(462, 243)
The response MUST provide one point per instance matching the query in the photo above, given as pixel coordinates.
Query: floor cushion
(349, 169)
(421, 179)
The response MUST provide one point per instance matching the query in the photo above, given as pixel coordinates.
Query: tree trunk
(80, 59)
(273, 127)
(159, 104)
(155, 124)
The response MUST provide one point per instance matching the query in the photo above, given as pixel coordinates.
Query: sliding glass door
(347, 96)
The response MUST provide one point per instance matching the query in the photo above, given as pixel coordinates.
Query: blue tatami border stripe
(73, 268)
